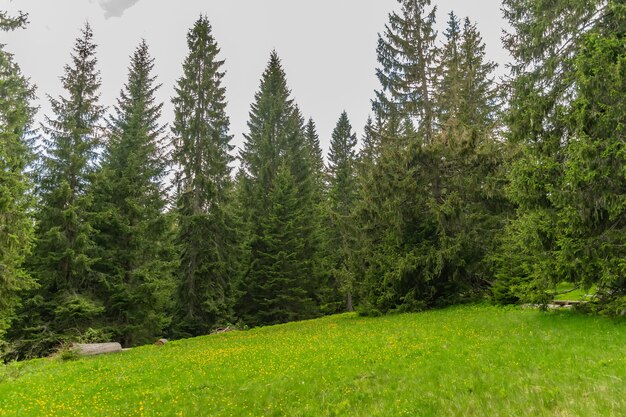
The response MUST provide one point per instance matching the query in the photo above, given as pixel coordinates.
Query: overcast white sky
(328, 47)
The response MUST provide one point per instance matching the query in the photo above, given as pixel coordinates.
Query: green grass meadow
(461, 361)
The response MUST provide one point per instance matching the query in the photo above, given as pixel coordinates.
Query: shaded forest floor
(461, 361)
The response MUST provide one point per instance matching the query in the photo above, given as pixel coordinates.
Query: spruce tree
(275, 287)
(325, 295)
(406, 55)
(429, 204)
(16, 203)
(370, 148)
(316, 157)
(465, 162)
(468, 208)
(466, 95)
(366, 163)
(542, 89)
(341, 200)
(68, 302)
(206, 237)
(591, 225)
(395, 253)
(449, 75)
(133, 231)
(9, 23)
(480, 92)
(276, 143)
(584, 203)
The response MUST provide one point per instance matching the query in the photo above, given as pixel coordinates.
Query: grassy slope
(463, 361)
(567, 291)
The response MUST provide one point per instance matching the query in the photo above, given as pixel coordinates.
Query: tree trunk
(349, 305)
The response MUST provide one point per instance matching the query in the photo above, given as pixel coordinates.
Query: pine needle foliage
(561, 119)
(207, 237)
(406, 55)
(16, 200)
(133, 233)
(68, 301)
(277, 174)
(341, 200)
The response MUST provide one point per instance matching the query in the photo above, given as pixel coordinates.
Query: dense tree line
(462, 188)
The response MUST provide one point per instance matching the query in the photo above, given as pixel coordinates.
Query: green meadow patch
(568, 291)
(461, 361)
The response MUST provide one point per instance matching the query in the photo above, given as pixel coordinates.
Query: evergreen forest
(464, 187)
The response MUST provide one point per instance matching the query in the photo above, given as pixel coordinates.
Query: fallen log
(226, 329)
(559, 306)
(567, 302)
(88, 349)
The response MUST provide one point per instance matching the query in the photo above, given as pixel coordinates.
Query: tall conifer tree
(341, 200)
(276, 144)
(316, 156)
(16, 226)
(542, 89)
(67, 303)
(370, 148)
(567, 124)
(276, 282)
(398, 232)
(449, 75)
(133, 232)
(465, 162)
(592, 200)
(406, 55)
(206, 236)
(392, 189)
(466, 96)
(367, 160)
(426, 190)
(480, 92)
(322, 293)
